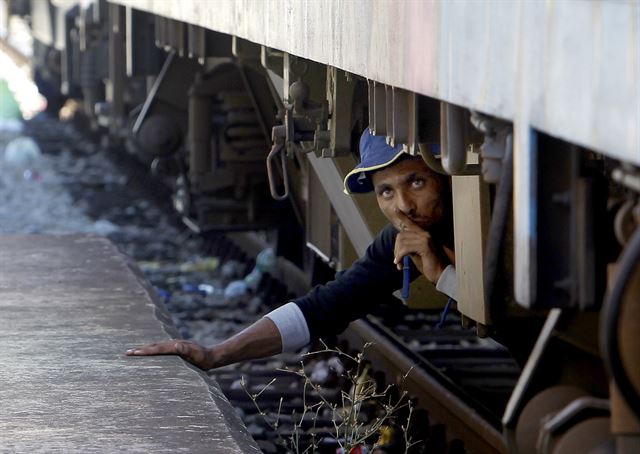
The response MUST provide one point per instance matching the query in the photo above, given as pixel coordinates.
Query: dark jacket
(329, 308)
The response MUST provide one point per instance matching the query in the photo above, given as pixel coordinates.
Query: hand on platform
(192, 352)
(259, 340)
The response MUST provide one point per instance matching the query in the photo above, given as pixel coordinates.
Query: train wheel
(549, 401)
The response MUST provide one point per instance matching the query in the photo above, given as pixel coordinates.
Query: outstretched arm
(259, 340)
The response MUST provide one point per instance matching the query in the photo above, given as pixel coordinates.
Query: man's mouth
(422, 221)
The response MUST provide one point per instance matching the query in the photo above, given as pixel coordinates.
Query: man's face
(412, 188)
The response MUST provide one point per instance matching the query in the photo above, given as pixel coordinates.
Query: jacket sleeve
(329, 308)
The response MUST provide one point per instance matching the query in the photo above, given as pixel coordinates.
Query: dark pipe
(199, 136)
(499, 219)
(452, 150)
(611, 314)
(432, 162)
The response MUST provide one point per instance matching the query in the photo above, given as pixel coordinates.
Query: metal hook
(277, 148)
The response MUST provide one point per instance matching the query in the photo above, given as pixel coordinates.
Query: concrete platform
(69, 307)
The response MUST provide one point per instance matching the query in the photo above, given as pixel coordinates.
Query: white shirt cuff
(448, 282)
(292, 325)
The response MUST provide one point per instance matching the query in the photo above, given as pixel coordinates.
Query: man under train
(417, 203)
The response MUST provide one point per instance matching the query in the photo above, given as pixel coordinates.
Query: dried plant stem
(348, 429)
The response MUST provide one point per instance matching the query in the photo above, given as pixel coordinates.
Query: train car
(251, 111)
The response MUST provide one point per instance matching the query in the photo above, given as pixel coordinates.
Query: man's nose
(404, 202)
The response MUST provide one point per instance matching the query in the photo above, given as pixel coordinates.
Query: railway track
(458, 382)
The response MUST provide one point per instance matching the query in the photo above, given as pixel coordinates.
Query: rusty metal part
(443, 406)
(542, 404)
(584, 437)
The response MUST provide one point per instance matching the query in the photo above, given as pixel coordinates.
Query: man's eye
(417, 183)
(386, 193)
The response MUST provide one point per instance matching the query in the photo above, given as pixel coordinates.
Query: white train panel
(568, 68)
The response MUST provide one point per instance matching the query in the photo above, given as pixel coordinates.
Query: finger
(399, 251)
(404, 250)
(395, 248)
(413, 234)
(158, 348)
(399, 248)
(415, 251)
(400, 254)
(411, 243)
(406, 224)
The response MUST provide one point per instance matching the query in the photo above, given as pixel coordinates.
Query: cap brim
(353, 183)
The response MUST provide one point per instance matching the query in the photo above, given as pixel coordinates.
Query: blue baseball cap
(375, 154)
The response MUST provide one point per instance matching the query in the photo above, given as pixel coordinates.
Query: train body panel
(555, 66)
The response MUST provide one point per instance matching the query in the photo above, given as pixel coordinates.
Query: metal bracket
(275, 151)
(278, 138)
(497, 137)
(152, 93)
(336, 140)
(304, 121)
(577, 411)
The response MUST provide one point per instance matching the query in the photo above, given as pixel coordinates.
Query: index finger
(406, 222)
(159, 348)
